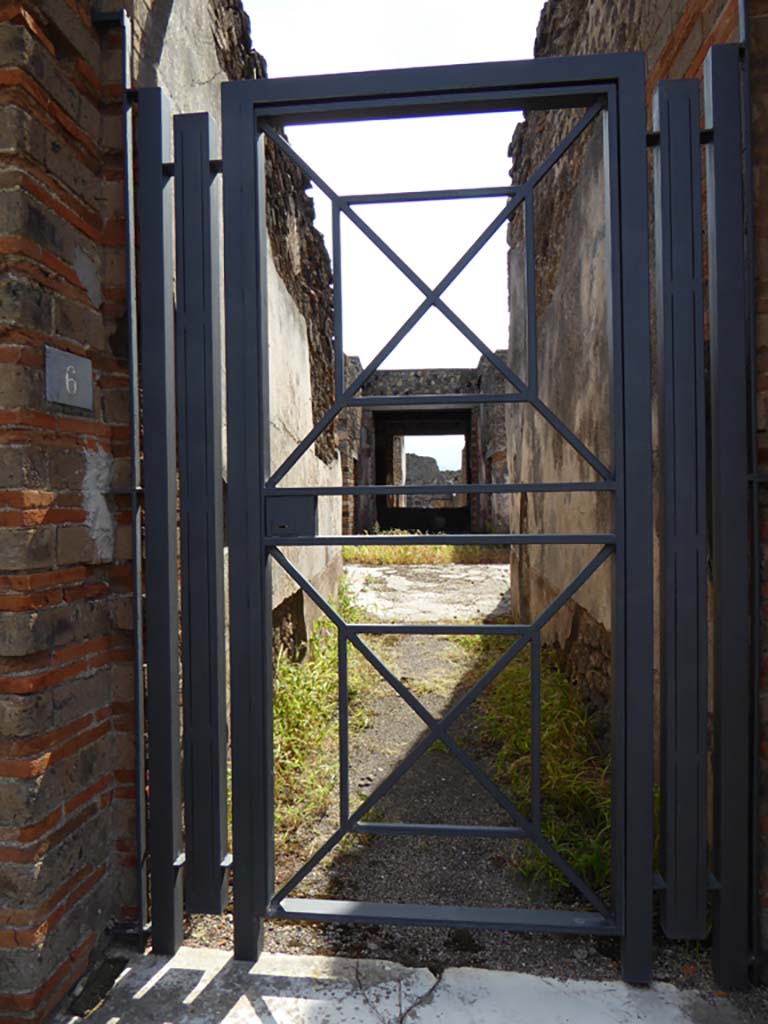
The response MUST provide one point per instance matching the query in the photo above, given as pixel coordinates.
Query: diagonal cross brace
(432, 298)
(439, 729)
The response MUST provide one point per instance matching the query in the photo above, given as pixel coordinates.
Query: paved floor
(205, 986)
(462, 593)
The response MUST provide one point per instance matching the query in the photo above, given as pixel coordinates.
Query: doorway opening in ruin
(425, 511)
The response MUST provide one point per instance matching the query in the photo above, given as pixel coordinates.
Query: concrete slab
(206, 986)
(416, 593)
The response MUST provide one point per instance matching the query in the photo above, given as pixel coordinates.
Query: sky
(304, 37)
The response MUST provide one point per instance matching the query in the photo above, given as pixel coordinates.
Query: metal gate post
(198, 367)
(680, 318)
(155, 210)
(730, 519)
(633, 461)
(247, 452)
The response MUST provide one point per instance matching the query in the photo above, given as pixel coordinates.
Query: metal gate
(264, 514)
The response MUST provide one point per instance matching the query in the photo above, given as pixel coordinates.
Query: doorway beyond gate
(265, 514)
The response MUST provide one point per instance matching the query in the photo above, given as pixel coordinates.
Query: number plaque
(68, 379)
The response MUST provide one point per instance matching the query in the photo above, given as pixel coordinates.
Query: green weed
(575, 771)
(424, 554)
(305, 722)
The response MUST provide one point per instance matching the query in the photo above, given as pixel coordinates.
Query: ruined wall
(492, 468)
(423, 469)
(354, 429)
(676, 37)
(189, 47)
(574, 351)
(67, 854)
(67, 753)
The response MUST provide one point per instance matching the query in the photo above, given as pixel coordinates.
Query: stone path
(205, 986)
(417, 593)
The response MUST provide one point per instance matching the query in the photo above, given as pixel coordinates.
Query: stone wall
(68, 865)
(423, 469)
(494, 510)
(189, 47)
(574, 364)
(676, 36)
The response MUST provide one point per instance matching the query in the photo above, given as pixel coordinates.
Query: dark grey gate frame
(250, 108)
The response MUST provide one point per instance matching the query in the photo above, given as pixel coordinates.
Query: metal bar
(412, 629)
(307, 587)
(434, 295)
(730, 521)
(635, 605)
(137, 552)
(530, 286)
(615, 335)
(459, 539)
(402, 828)
(567, 434)
(161, 606)
(383, 788)
(349, 911)
(490, 674)
(397, 685)
(381, 402)
(544, 488)
(343, 669)
(433, 299)
(338, 324)
(439, 730)
(378, 794)
(533, 833)
(249, 592)
(418, 197)
(476, 102)
(535, 717)
(563, 76)
(680, 320)
(756, 561)
(431, 294)
(198, 368)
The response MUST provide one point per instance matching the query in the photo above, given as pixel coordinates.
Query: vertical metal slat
(684, 533)
(730, 536)
(198, 368)
(633, 630)
(249, 582)
(157, 365)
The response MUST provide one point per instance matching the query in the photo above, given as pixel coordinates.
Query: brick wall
(67, 864)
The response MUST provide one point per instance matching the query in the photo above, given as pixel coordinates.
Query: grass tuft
(575, 770)
(425, 554)
(305, 710)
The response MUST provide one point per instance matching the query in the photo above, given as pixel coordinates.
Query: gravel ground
(437, 789)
